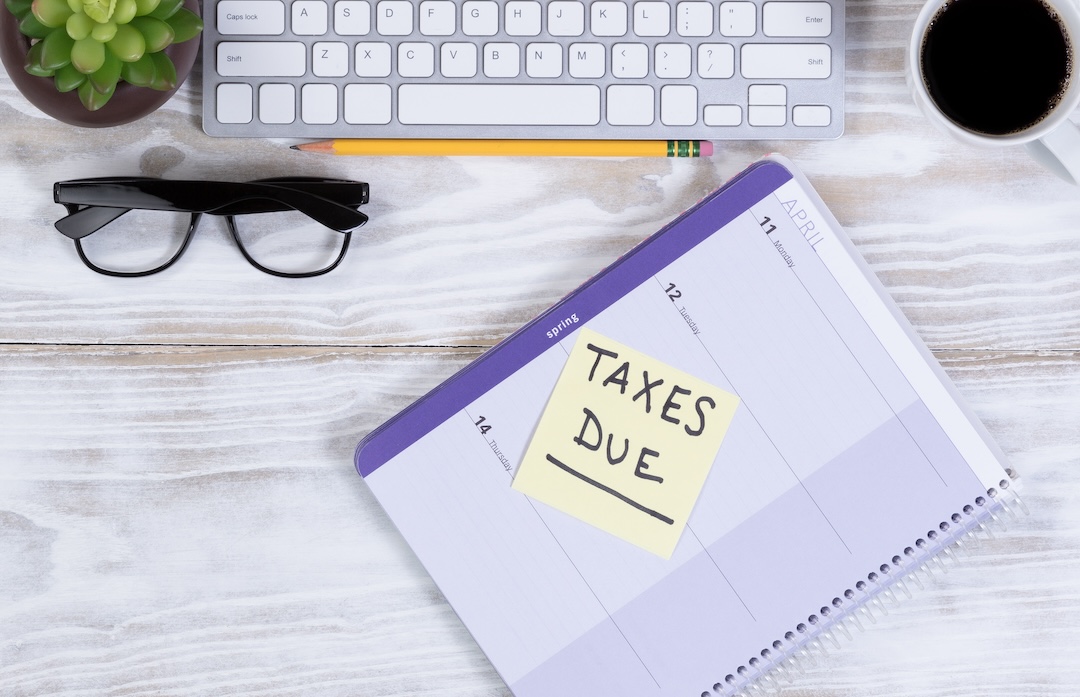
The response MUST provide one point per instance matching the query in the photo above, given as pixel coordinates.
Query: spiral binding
(800, 648)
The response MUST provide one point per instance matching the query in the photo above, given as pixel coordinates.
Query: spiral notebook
(847, 462)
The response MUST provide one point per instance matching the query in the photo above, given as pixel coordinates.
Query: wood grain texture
(179, 514)
(187, 521)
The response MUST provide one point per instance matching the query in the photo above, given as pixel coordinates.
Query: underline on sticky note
(626, 499)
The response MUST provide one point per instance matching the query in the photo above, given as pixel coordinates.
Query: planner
(842, 459)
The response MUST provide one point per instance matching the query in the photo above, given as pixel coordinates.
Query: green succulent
(91, 45)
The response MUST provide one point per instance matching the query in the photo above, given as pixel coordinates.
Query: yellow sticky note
(625, 443)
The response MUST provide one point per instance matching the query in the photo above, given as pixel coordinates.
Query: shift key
(261, 59)
(786, 61)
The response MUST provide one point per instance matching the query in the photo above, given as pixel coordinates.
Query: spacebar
(493, 105)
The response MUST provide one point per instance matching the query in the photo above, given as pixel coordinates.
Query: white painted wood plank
(980, 247)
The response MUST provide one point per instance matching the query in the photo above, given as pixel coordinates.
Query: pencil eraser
(705, 149)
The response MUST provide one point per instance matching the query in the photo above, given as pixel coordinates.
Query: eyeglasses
(294, 227)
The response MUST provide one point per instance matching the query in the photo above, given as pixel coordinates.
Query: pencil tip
(294, 147)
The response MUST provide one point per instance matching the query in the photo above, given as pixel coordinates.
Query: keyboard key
(416, 59)
(786, 61)
(566, 18)
(330, 59)
(630, 61)
(630, 105)
(738, 18)
(352, 17)
(608, 18)
(318, 103)
(367, 104)
(766, 115)
(716, 60)
(372, 59)
(587, 60)
(277, 103)
(309, 17)
(394, 17)
(261, 59)
(251, 17)
(490, 105)
(502, 59)
(678, 105)
(813, 19)
(767, 95)
(694, 19)
(457, 59)
(722, 115)
(543, 60)
(522, 18)
(652, 18)
(673, 61)
(480, 18)
(437, 18)
(811, 115)
(234, 103)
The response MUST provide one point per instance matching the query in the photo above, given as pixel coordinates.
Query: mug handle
(1059, 151)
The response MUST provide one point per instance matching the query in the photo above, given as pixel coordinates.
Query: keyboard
(573, 69)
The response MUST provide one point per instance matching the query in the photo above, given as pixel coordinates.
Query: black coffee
(996, 66)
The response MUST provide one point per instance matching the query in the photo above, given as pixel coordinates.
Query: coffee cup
(1000, 72)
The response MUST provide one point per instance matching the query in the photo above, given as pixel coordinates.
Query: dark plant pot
(127, 104)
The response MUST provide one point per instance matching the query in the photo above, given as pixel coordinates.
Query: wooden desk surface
(179, 514)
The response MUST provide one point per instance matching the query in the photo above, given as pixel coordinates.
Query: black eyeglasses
(293, 227)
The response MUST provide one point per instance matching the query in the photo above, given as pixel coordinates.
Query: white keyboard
(695, 69)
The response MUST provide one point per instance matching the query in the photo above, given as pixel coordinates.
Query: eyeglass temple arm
(343, 191)
(329, 213)
(88, 220)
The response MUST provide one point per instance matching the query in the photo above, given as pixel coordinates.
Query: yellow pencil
(550, 148)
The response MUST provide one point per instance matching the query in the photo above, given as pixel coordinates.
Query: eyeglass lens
(288, 242)
(138, 241)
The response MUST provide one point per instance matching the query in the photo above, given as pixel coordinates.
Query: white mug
(1053, 140)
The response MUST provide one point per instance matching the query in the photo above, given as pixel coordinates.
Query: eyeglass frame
(94, 203)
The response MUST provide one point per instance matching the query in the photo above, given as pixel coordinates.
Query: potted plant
(99, 52)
